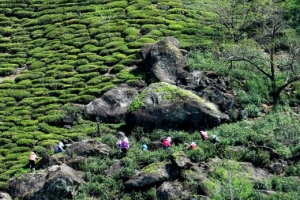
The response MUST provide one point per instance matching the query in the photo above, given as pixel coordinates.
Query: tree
(293, 13)
(237, 16)
(273, 51)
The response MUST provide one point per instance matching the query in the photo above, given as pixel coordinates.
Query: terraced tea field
(73, 51)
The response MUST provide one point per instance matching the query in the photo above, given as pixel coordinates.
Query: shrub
(48, 144)
(196, 155)
(110, 60)
(82, 61)
(25, 83)
(131, 31)
(259, 157)
(6, 71)
(106, 88)
(90, 68)
(84, 99)
(127, 75)
(20, 149)
(50, 137)
(252, 110)
(233, 183)
(29, 75)
(26, 143)
(117, 68)
(4, 141)
(52, 118)
(4, 185)
(22, 136)
(293, 170)
(90, 48)
(30, 128)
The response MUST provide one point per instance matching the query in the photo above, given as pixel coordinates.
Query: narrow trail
(14, 75)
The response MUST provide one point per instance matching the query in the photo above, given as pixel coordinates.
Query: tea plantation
(72, 52)
(57, 53)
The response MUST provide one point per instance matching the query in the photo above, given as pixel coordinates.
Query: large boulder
(152, 174)
(214, 88)
(5, 196)
(154, 145)
(164, 60)
(59, 159)
(91, 148)
(181, 160)
(55, 182)
(113, 105)
(165, 106)
(114, 168)
(278, 166)
(172, 190)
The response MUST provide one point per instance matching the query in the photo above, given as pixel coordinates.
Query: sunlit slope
(71, 52)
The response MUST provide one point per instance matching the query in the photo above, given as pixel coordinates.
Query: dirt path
(13, 76)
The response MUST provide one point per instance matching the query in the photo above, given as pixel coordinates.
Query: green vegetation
(63, 52)
(227, 173)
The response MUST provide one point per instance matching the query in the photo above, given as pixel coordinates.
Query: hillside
(61, 53)
(72, 52)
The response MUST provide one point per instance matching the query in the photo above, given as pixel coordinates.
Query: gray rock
(165, 106)
(164, 60)
(55, 182)
(88, 149)
(172, 190)
(113, 105)
(114, 169)
(59, 159)
(278, 167)
(152, 174)
(180, 159)
(5, 196)
(213, 87)
(154, 145)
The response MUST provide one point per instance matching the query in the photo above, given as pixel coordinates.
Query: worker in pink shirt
(32, 159)
(204, 135)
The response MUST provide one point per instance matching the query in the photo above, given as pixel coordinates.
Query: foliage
(233, 184)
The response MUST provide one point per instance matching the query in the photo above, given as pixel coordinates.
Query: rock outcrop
(181, 160)
(214, 88)
(165, 106)
(59, 159)
(90, 148)
(114, 169)
(164, 60)
(152, 174)
(154, 145)
(5, 196)
(172, 190)
(55, 182)
(113, 105)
